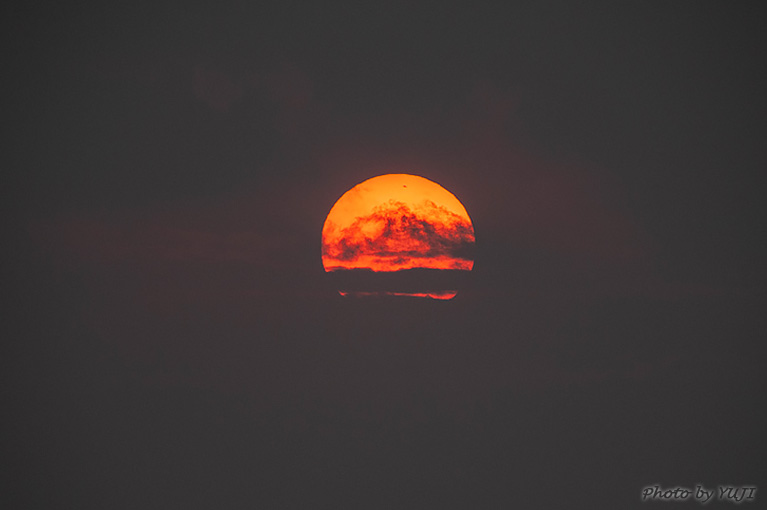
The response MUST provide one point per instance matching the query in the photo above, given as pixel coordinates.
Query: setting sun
(394, 223)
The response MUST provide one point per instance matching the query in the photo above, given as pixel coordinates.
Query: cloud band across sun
(399, 236)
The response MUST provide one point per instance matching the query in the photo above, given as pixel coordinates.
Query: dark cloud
(408, 280)
(431, 231)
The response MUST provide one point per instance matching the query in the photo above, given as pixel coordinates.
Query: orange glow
(395, 222)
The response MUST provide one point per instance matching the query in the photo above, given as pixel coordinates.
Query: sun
(398, 223)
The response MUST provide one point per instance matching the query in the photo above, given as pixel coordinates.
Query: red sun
(398, 223)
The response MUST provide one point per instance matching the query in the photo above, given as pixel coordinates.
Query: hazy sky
(173, 341)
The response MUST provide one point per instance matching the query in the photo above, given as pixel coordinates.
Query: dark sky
(172, 340)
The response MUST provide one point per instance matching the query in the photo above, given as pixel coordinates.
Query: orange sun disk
(398, 222)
